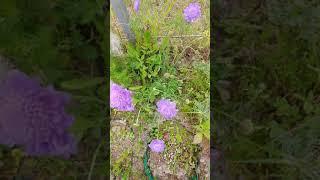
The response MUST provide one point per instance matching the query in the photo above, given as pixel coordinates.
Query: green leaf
(135, 88)
(147, 37)
(142, 57)
(77, 84)
(284, 108)
(206, 128)
(143, 73)
(132, 52)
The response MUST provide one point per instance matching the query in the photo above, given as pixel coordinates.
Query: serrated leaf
(77, 84)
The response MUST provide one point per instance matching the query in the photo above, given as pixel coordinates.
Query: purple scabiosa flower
(157, 145)
(120, 98)
(192, 12)
(166, 108)
(33, 117)
(136, 5)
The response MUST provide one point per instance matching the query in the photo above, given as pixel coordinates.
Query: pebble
(115, 44)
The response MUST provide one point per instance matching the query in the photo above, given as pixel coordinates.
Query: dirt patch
(161, 169)
(193, 54)
(204, 164)
(126, 151)
(205, 53)
(178, 161)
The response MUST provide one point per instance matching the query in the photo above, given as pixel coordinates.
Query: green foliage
(180, 145)
(62, 42)
(163, 88)
(49, 35)
(147, 58)
(153, 69)
(268, 126)
(203, 113)
(120, 74)
(203, 130)
(120, 166)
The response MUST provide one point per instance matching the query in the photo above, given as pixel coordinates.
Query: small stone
(167, 75)
(115, 43)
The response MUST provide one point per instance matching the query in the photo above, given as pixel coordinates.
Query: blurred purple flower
(167, 108)
(120, 98)
(33, 117)
(157, 145)
(136, 5)
(192, 12)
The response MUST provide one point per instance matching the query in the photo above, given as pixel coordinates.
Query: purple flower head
(34, 118)
(136, 5)
(157, 145)
(192, 12)
(166, 108)
(120, 98)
